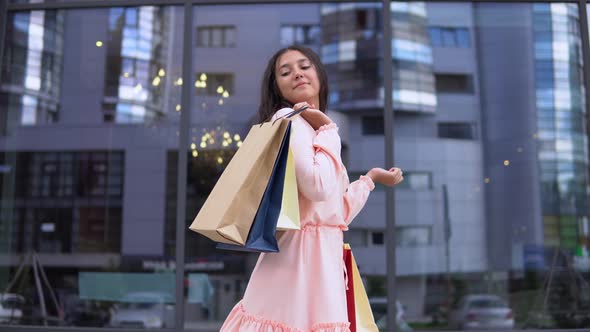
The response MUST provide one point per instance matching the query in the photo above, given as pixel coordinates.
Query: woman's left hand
(313, 116)
(389, 177)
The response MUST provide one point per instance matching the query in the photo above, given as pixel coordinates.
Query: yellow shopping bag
(363, 316)
(289, 217)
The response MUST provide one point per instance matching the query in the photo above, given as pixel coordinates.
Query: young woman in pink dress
(302, 288)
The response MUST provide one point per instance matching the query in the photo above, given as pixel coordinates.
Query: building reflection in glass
(138, 77)
(31, 69)
(561, 110)
(351, 49)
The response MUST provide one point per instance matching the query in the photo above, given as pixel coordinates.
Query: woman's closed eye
(287, 73)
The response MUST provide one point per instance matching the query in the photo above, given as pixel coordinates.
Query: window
(67, 174)
(303, 34)
(457, 130)
(462, 35)
(99, 174)
(356, 237)
(372, 125)
(377, 238)
(413, 236)
(216, 36)
(49, 178)
(44, 175)
(69, 201)
(449, 37)
(416, 180)
(454, 83)
(214, 84)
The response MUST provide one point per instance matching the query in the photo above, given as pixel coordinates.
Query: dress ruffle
(239, 320)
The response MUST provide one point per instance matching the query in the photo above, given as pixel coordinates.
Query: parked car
(481, 311)
(379, 308)
(11, 308)
(86, 313)
(144, 310)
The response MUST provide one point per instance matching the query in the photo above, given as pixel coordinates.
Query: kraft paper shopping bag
(228, 213)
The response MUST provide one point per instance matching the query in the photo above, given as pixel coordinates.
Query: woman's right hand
(313, 116)
(390, 177)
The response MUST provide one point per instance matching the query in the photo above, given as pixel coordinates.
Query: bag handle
(290, 114)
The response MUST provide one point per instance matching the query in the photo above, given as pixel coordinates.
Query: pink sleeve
(356, 196)
(317, 157)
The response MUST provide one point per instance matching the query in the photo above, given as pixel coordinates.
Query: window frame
(185, 116)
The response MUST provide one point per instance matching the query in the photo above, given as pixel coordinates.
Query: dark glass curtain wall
(118, 117)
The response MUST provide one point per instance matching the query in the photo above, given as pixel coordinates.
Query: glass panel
(224, 105)
(500, 238)
(456, 130)
(454, 83)
(88, 117)
(448, 37)
(436, 36)
(463, 38)
(414, 236)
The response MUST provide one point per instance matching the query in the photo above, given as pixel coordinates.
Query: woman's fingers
(390, 177)
(302, 104)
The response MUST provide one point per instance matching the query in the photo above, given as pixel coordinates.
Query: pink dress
(302, 288)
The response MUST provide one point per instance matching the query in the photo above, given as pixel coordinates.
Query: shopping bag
(228, 213)
(262, 236)
(289, 218)
(363, 316)
(349, 288)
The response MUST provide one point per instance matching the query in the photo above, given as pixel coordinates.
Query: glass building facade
(116, 121)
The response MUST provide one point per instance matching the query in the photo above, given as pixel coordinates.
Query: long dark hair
(271, 99)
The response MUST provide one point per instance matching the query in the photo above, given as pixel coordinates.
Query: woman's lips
(300, 84)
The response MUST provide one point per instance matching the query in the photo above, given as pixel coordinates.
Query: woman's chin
(301, 97)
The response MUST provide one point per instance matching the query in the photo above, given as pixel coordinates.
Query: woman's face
(297, 78)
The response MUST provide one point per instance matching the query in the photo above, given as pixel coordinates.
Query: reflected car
(482, 312)
(144, 310)
(11, 308)
(86, 313)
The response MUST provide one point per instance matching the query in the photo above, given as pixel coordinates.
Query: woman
(302, 288)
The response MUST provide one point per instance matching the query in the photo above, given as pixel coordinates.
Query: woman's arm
(357, 192)
(316, 154)
(356, 196)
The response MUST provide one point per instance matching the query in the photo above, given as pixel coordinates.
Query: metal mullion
(135, 3)
(583, 14)
(3, 23)
(390, 243)
(132, 3)
(92, 4)
(185, 120)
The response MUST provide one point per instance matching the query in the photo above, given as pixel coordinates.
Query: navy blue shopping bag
(262, 235)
